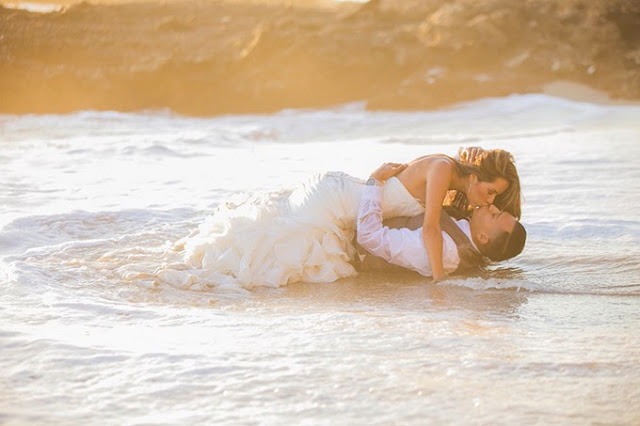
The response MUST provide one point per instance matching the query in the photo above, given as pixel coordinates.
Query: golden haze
(211, 57)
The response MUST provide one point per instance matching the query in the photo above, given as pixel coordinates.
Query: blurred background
(206, 57)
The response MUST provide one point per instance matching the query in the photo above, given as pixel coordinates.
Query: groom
(489, 233)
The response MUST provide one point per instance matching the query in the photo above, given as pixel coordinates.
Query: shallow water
(92, 202)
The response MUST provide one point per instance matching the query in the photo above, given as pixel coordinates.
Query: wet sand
(221, 56)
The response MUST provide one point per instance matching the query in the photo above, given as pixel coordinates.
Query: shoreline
(582, 93)
(202, 58)
(560, 89)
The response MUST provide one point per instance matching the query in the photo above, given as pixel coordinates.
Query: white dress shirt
(402, 247)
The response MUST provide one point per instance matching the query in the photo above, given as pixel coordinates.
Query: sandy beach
(222, 56)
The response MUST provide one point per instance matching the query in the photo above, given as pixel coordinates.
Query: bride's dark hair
(493, 164)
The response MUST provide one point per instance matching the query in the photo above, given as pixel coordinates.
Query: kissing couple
(334, 224)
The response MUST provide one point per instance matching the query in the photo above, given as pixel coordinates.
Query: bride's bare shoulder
(415, 176)
(427, 161)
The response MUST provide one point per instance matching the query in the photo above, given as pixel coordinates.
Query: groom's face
(488, 222)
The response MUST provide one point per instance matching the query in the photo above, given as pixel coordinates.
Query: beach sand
(220, 57)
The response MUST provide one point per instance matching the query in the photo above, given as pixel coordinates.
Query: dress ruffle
(303, 233)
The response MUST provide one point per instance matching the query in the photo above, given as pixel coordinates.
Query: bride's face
(484, 193)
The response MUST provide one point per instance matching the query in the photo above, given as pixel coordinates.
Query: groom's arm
(402, 247)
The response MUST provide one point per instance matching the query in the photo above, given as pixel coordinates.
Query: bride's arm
(438, 182)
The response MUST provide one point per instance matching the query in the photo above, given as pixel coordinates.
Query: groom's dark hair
(507, 244)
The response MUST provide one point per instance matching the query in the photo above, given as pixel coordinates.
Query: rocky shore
(210, 57)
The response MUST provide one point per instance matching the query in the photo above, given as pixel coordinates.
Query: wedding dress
(304, 233)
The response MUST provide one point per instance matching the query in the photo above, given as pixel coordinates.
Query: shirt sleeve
(402, 247)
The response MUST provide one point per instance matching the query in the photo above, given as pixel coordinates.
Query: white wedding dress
(303, 233)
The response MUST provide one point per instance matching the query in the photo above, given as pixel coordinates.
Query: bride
(306, 233)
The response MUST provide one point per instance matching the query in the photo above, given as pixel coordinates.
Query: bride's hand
(440, 278)
(387, 170)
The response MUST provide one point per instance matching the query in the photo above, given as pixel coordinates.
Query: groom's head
(497, 234)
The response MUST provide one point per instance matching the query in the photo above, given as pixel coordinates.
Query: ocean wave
(53, 232)
(578, 228)
(477, 283)
(157, 150)
(444, 139)
(514, 118)
(482, 284)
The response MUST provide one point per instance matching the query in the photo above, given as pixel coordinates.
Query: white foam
(34, 7)
(499, 284)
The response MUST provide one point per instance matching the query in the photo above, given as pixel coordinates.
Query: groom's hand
(469, 154)
(387, 170)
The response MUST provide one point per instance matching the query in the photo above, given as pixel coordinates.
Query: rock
(221, 56)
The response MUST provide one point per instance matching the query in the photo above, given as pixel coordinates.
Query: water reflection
(404, 292)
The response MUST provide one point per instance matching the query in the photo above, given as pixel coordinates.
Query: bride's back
(414, 176)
